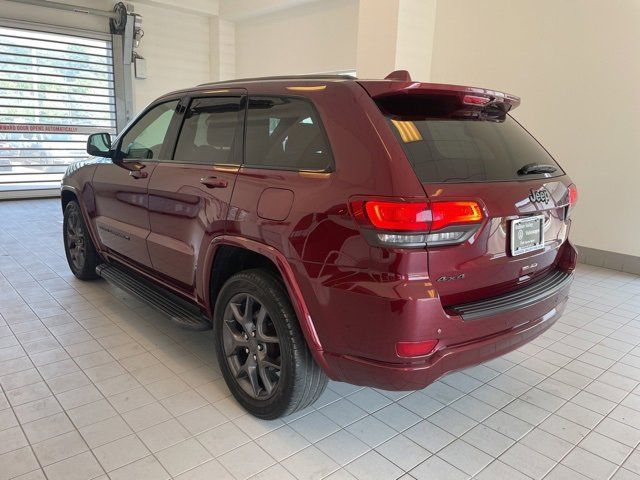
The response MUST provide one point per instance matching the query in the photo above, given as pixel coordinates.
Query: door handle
(214, 182)
(138, 174)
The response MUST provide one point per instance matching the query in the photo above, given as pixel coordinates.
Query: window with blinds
(54, 90)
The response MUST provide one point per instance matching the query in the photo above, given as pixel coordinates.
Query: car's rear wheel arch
(229, 255)
(229, 260)
(253, 314)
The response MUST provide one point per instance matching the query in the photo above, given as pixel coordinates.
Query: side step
(182, 312)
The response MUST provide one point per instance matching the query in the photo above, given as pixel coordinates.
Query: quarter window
(208, 135)
(144, 140)
(285, 133)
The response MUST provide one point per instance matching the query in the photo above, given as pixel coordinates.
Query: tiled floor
(96, 385)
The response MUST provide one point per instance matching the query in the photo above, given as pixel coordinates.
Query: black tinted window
(285, 133)
(209, 131)
(469, 150)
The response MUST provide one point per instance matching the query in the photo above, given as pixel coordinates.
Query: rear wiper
(531, 168)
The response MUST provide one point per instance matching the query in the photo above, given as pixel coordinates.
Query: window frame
(176, 128)
(332, 164)
(163, 150)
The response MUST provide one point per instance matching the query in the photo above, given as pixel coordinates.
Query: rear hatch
(465, 148)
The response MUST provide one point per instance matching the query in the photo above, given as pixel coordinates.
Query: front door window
(144, 140)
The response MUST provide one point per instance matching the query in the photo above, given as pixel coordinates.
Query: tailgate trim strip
(521, 298)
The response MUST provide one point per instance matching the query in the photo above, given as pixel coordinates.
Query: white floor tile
(83, 367)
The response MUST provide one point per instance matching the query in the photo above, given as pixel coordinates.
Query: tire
(299, 381)
(81, 253)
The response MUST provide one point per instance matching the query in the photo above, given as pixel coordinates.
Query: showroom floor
(94, 382)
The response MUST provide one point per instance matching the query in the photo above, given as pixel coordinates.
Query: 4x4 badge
(446, 278)
(539, 195)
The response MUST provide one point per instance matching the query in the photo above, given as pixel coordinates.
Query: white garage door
(54, 90)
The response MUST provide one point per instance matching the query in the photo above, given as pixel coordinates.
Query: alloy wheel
(251, 346)
(75, 240)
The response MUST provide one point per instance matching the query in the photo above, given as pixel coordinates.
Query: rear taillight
(450, 213)
(398, 215)
(573, 195)
(407, 224)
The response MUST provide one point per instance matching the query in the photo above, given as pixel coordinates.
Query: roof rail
(284, 77)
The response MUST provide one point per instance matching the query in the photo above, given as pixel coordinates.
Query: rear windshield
(445, 150)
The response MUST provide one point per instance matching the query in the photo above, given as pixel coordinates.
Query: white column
(377, 38)
(414, 44)
(223, 49)
(395, 35)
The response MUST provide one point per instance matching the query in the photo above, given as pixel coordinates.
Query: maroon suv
(378, 232)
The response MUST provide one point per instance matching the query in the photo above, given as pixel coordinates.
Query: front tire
(262, 353)
(81, 253)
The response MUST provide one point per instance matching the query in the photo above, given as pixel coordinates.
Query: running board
(181, 312)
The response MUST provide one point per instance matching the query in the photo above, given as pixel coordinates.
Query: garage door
(54, 90)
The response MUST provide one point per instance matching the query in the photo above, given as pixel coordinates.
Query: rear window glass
(285, 133)
(446, 150)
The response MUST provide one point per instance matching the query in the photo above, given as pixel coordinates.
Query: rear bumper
(536, 292)
(359, 318)
(415, 376)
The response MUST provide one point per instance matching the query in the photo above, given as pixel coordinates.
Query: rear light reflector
(415, 349)
(416, 224)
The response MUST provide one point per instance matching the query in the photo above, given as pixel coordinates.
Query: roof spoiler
(398, 84)
(401, 75)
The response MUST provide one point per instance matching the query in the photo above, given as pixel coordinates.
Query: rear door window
(445, 150)
(285, 133)
(209, 132)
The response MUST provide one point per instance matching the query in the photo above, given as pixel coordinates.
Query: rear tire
(261, 350)
(81, 253)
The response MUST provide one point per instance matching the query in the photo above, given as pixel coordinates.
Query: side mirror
(99, 145)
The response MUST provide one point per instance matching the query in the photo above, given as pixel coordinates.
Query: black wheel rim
(75, 241)
(251, 346)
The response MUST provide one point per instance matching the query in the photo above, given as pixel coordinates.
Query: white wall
(236, 10)
(414, 45)
(576, 65)
(314, 37)
(176, 47)
(198, 7)
(377, 37)
(222, 49)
